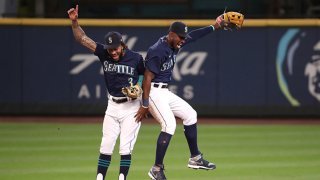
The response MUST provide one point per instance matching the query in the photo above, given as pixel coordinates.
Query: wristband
(145, 103)
(144, 107)
(212, 27)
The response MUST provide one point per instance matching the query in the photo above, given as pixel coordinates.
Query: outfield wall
(269, 68)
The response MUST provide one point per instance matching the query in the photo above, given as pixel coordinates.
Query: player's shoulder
(161, 42)
(158, 47)
(132, 52)
(100, 49)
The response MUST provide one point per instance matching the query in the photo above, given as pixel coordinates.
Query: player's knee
(106, 151)
(106, 146)
(125, 151)
(170, 128)
(191, 118)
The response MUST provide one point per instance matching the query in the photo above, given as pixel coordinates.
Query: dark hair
(124, 45)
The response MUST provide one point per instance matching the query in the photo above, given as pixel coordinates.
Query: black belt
(163, 85)
(121, 100)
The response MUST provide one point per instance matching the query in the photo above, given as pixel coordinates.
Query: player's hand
(229, 21)
(73, 13)
(142, 113)
(219, 20)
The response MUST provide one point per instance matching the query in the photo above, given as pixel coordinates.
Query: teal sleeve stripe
(140, 80)
(212, 27)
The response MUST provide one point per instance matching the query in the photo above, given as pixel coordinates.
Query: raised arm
(78, 33)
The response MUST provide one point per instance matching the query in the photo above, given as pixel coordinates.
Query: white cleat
(99, 176)
(121, 177)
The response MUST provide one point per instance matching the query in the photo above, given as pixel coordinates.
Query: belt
(160, 85)
(121, 100)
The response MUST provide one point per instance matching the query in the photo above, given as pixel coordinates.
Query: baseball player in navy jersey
(121, 68)
(164, 105)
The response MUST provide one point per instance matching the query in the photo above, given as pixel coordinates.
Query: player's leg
(188, 115)
(125, 163)
(128, 137)
(111, 131)
(161, 111)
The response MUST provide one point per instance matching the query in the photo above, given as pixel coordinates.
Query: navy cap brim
(185, 36)
(113, 46)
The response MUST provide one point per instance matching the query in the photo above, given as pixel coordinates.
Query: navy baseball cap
(113, 40)
(180, 29)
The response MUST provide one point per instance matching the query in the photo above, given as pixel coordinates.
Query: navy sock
(191, 135)
(162, 145)
(125, 163)
(103, 164)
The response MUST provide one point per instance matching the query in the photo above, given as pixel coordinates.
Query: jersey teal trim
(212, 27)
(140, 80)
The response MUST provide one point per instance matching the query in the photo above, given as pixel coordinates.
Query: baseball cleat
(198, 162)
(99, 176)
(121, 177)
(156, 173)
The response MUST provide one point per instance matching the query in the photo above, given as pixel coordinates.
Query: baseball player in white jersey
(165, 105)
(122, 68)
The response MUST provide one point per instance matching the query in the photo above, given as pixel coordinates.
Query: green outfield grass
(31, 151)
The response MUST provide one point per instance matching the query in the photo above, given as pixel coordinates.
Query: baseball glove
(132, 91)
(230, 20)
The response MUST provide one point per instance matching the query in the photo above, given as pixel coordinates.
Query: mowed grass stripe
(70, 151)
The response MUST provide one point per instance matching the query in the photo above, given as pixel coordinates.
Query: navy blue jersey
(119, 74)
(161, 58)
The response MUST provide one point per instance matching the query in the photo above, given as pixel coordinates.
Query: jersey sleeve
(141, 65)
(153, 64)
(198, 33)
(100, 51)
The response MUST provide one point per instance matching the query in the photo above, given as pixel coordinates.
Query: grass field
(32, 151)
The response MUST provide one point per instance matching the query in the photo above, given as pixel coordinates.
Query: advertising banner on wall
(255, 71)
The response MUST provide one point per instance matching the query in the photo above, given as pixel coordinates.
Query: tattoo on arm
(82, 38)
(89, 43)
